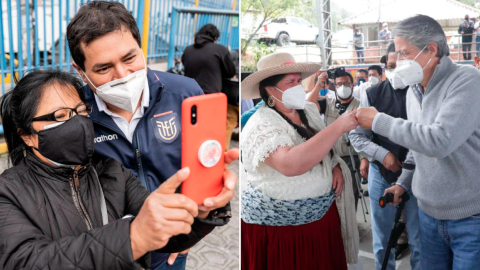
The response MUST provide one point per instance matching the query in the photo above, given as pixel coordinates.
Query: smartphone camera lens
(193, 114)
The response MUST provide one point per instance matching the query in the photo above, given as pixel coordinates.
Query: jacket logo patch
(166, 127)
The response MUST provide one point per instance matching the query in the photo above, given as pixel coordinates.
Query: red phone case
(203, 181)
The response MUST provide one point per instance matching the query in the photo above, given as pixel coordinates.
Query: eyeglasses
(404, 53)
(65, 114)
(347, 84)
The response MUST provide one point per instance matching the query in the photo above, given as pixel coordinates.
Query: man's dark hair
(349, 76)
(345, 74)
(377, 68)
(96, 19)
(364, 71)
(209, 30)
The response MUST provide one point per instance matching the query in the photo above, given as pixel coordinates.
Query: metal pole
(173, 31)
(328, 30)
(145, 32)
(321, 39)
(357, 178)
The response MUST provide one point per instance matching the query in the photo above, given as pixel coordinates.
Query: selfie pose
(297, 206)
(136, 111)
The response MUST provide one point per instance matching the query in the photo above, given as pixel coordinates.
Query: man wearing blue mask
(385, 159)
(361, 77)
(443, 135)
(374, 77)
(129, 100)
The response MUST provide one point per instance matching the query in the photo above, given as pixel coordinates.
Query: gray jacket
(443, 135)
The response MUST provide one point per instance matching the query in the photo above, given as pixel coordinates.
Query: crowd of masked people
(417, 133)
(93, 184)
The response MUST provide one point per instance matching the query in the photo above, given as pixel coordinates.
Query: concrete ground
(220, 249)
(366, 247)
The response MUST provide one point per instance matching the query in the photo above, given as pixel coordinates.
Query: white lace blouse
(263, 134)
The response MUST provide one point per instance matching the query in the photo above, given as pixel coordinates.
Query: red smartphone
(204, 123)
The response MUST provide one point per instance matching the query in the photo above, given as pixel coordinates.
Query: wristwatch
(218, 217)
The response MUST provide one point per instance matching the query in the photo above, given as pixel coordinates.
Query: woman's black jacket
(50, 217)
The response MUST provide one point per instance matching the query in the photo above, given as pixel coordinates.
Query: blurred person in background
(466, 30)
(361, 77)
(374, 77)
(476, 28)
(332, 109)
(210, 64)
(384, 36)
(358, 41)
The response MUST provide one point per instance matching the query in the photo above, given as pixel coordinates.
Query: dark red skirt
(316, 245)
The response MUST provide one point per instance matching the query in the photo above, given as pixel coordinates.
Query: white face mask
(395, 81)
(293, 98)
(372, 80)
(344, 92)
(123, 93)
(410, 71)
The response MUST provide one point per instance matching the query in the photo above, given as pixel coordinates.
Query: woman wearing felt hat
(295, 211)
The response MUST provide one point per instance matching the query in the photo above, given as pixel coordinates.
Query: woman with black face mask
(60, 211)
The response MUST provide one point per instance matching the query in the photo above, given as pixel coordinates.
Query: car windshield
(279, 20)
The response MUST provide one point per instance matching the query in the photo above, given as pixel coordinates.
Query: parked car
(284, 30)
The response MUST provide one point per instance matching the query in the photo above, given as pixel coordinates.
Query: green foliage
(268, 10)
(306, 9)
(338, 13)
(468, 2)
(259, 50)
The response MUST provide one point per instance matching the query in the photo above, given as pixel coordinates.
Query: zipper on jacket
(141, 175)
(75, 186)
(418, 99)
(141, 172)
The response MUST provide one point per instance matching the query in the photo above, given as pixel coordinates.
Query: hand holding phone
(204, 121)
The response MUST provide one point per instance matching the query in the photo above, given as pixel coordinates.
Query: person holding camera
(385, 159)
(442, 134)
(333, 108)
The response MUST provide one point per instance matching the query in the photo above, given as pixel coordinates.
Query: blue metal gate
(187, 21)
(33, 32)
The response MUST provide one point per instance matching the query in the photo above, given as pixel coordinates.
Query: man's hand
(365, 117)
(322, 81)
(391, 162)
(173, 256)
(229, 184)
(338, 181)
(346, 122)
(164, 214)
(397, 191)
(364, 166)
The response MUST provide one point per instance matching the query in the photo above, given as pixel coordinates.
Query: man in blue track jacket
(129, 100)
